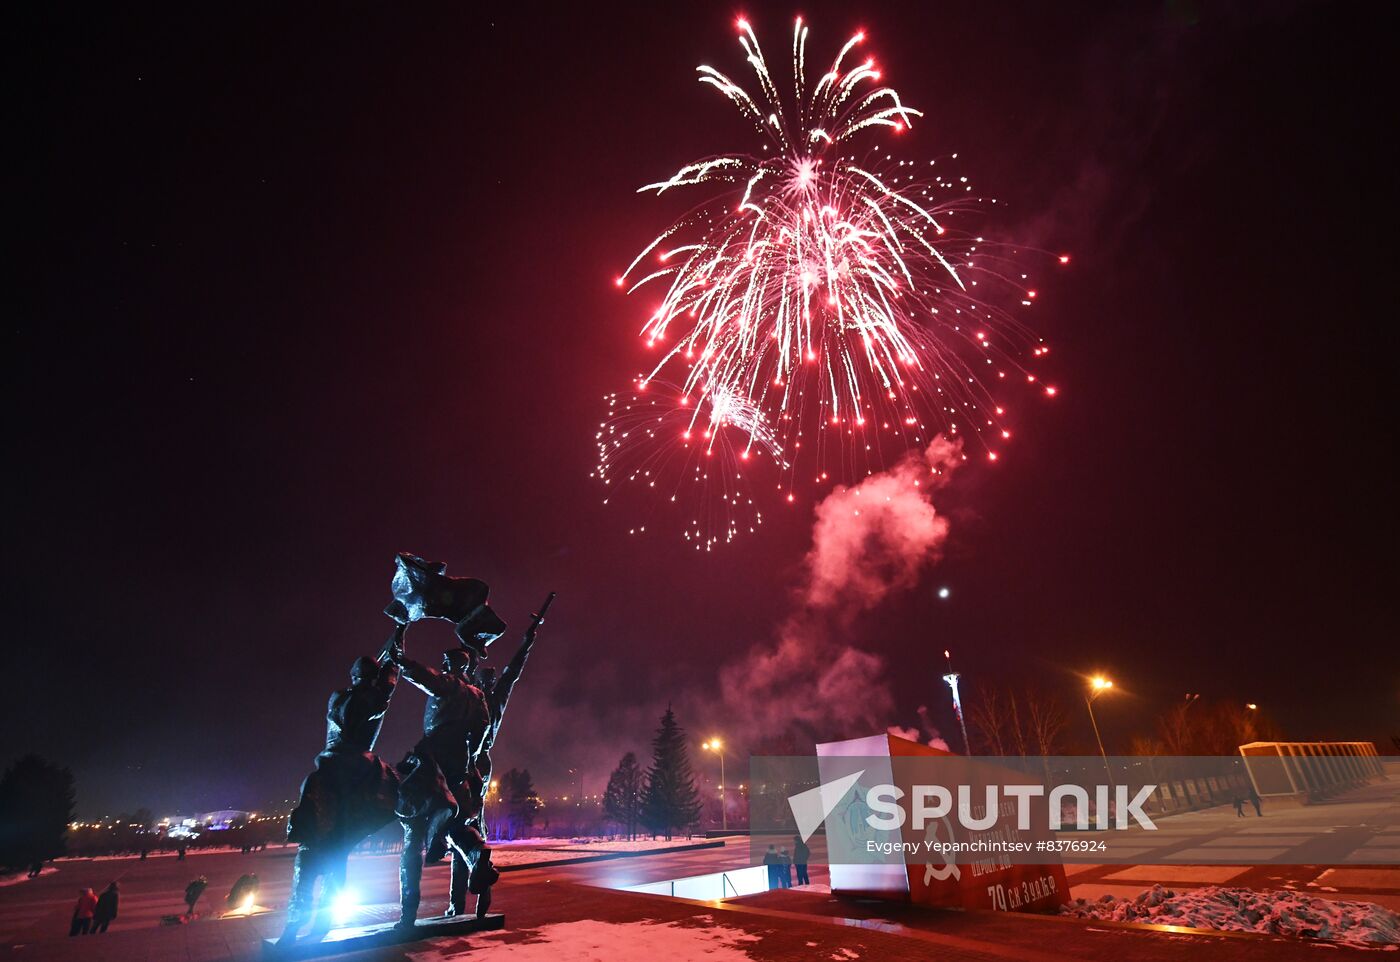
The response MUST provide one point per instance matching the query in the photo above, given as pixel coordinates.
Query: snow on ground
(531, 850)
(1276, 912)
(597, 844)
(15, 878)
(153, 853)
(644, 941)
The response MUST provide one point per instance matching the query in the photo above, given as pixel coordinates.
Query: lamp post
(1097, 686)
(716, 746)
(491, 789)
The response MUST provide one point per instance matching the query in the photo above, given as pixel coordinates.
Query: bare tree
(1023, 721)
(986, 716)
(1176, 731)
(1146, 746)
(1046, 721)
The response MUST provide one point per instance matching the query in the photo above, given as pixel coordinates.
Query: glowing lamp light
(944, 593)
(344, 906)
(1100, 683)
(1252, 707)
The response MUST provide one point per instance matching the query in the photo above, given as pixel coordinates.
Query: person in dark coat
(484, 875)
(801, 855)
(83, 912)
(192, 893)
(770, 859)
(1254, 800)
(784, 868)
(243, 893)
(106, 909)
(1239, 807)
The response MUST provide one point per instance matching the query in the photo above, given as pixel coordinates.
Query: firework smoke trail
(814, 297)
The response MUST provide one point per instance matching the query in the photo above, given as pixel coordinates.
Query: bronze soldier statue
(440, 793)
(350, 795)
(497, 691)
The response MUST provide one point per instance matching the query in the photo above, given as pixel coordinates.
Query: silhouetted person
(1254, 800)
(244, 892)
(181, 853)
(801, 854)
(106, 909)
(83, 912)
(784, 868)
(192, 893)
(484, 875)
(770, 859)
(36, 869)
(1239, 807)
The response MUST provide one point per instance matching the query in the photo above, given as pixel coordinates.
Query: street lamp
(1252, 707)
(1097, 686)
(716, 746)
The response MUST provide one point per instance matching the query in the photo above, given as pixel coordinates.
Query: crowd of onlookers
(781, 863)
(94, 913)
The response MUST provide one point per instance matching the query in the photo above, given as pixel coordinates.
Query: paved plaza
(570, 902)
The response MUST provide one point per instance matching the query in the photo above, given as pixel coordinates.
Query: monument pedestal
(356, 937)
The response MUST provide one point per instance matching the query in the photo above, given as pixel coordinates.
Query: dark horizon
(311, 290)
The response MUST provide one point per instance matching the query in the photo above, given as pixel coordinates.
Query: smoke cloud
(925, 733)
(804, 684)
(869, 541)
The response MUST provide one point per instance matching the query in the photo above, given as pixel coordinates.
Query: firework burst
(820, 306)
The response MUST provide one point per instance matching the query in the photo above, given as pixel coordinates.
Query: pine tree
(522, 802)
(36, 805)
(670, 802)
(622, 800)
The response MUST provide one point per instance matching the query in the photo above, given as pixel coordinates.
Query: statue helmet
(455, 658)
(364, 668)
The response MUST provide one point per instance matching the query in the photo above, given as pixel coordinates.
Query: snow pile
(23, 876)
(1275, 912)
(586, 845)
(644, 941)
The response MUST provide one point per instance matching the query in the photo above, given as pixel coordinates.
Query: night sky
(306, 287)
